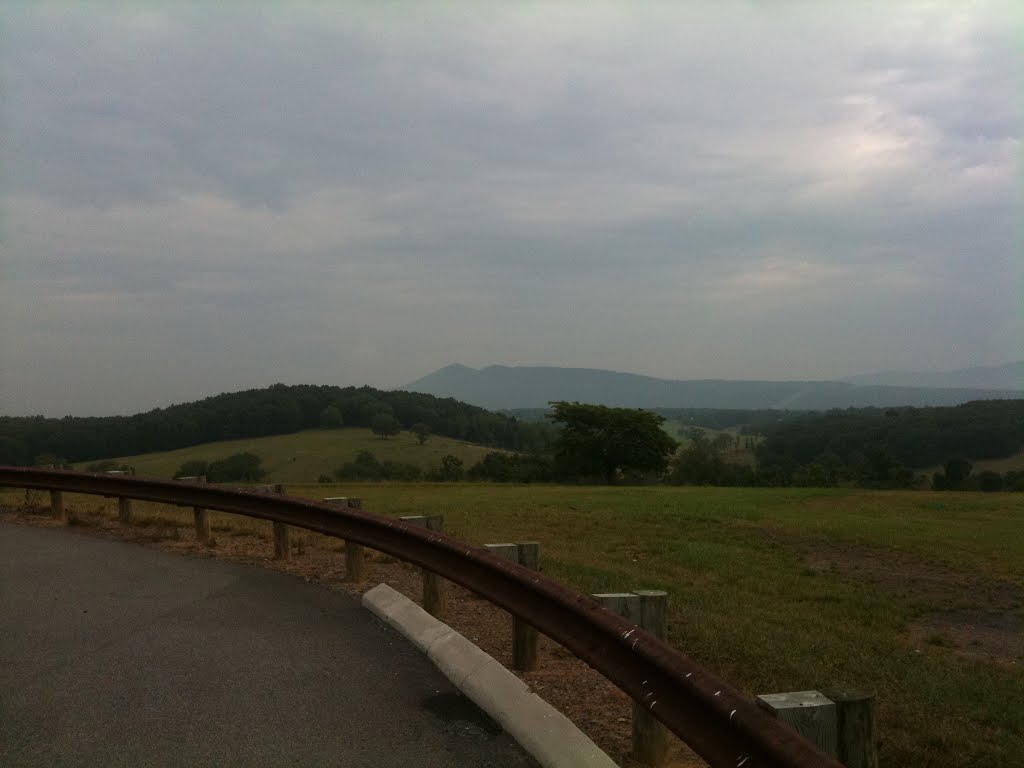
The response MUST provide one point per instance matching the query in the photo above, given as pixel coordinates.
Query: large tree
(385, 425)
(597, 440)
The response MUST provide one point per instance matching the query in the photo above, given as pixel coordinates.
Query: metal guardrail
(713, 718)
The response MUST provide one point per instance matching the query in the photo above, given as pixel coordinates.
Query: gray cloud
(215, 199)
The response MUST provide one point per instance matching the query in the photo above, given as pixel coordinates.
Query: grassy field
(302, 457)
(916, 595)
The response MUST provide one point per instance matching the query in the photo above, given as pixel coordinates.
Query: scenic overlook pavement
(114, 654)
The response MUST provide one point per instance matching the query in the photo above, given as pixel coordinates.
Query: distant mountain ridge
(508, 387)
(1006, 376)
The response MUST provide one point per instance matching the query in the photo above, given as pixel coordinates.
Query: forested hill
(913, 437)
(278, 409)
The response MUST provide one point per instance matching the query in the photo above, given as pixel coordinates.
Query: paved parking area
(115, 654)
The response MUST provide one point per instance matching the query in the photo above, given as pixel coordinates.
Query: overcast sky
(196, 200)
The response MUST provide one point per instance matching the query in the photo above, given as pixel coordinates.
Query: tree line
(868, 447)
(887, 448)
(274, 410)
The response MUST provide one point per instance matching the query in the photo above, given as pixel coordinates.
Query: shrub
(990, 481)
(366, 466)
(450, 470)
(512, 468)
(1014, 481)
(237, 468)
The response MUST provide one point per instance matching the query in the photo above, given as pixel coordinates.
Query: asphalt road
(112, 654)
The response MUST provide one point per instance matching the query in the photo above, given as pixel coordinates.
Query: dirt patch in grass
(594, 704)
(978, 617)
(995, 637)
(903, 575)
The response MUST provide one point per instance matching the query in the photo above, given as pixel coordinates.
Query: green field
(302, 457)
(918, 596)
(785, 590)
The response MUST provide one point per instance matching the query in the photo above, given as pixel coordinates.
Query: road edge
(548, 735)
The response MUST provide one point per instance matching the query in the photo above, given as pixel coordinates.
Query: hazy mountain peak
(455, 368)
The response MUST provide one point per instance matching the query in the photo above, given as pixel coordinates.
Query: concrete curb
(544, 732)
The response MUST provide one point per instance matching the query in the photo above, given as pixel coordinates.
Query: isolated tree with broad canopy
(597, 440)
(385, 425)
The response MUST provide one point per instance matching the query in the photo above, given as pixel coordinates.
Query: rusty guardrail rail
(712, 717)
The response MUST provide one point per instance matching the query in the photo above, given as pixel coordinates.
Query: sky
(196, 200)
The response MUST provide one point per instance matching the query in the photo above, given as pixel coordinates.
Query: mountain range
(1008, 376)
(500, 387)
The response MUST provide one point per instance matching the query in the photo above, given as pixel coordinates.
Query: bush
(990, 481)
(421, 430)
(512, 468)
(450, 470)
(400, 470)
(236, 468)
(956, 476)
(385, 425)
(51, 460)
(1014, 481)
(366, 466)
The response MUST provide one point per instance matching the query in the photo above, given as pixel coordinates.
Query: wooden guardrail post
(809, 713)
(355, 570)
(855, 725)
(435, 588)
(282, 547)
(200, 516)
(201, 520)
(647, 608)
(124, 510)
(524, 635)
(57, 505)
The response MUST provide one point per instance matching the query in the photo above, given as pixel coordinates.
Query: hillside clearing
(301, 457)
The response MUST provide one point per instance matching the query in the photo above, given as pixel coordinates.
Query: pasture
(301, 457)
(918, 596)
